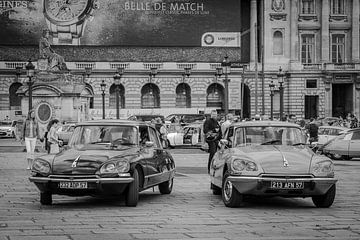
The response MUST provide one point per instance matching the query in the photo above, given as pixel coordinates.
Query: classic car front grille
(73, 176)
(285, 176)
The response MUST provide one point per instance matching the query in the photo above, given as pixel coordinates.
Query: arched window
(278, 42)
(183, 96)
(112, 97)
(150, 96)
(215, 96)
(14, 99)
(90, 91)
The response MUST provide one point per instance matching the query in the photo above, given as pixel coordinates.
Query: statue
(55, 61)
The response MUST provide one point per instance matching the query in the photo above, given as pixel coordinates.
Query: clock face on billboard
(65, 10)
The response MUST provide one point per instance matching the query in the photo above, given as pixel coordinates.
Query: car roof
(335, 127)
(113, 122)
(265, 123)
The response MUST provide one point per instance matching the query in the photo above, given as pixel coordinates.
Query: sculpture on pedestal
(55, 61)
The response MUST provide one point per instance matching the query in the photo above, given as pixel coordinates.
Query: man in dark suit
(212, 133)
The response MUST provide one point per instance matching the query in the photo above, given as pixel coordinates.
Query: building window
(337, 7)
(112, 97)
(150, 96)
(183, 96)
(308, 7)
(338, 48)
(278, 43)
(311, 83)
(15, 100)
(215, 96)
(307, 48)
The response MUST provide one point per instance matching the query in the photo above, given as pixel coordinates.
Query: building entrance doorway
(342, 99)
(311, 106)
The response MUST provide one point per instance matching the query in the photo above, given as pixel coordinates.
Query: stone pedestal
(56, 95)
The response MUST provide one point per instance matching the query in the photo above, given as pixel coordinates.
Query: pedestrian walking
(30, 134)
(229, 119)
(53, 137)
(212, 133)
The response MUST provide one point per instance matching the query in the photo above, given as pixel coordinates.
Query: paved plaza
(189, 212)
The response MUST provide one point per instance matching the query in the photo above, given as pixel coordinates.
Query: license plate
(73, 185)
(287, 185)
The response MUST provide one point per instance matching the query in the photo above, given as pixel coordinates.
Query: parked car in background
(269, 158)
(145, 117)
(7, 128)
(106, 157)
(65, 131)
(345, 146)
(326, 133)
(187, 136)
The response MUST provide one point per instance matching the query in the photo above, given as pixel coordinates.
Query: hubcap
(228, 188)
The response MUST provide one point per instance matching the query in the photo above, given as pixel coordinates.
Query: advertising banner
(205, 23)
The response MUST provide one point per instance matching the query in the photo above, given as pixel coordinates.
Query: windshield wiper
(271, 142)
(297, 144)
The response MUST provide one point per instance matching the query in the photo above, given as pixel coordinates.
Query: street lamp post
(226, 70)
(281, 89)
(117, 82)
(30, 72)
(103, 87)
(186, 74)
(272, 89)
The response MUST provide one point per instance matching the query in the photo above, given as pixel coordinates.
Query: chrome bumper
(91, 180)
(261, 186)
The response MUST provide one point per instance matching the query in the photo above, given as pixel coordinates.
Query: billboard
(124, 23)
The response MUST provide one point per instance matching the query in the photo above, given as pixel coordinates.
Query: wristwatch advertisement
(66, 19)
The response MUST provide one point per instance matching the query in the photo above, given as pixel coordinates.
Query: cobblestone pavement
(191, 211)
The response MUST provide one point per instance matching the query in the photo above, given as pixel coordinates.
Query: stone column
(355, 31)
(328, 94)
(325, 35)
(294, 41)
(357, 96)
(253, 22)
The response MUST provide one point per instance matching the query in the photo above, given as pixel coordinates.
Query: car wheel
(215, 189)
(336, 156)
(45, 198)
(166, 187)
(326, 200)
(231, 197)
(132, 194)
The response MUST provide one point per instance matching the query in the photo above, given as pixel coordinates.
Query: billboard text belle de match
(147, 6)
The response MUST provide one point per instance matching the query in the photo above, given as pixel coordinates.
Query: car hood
(279, 158)
(87, 162)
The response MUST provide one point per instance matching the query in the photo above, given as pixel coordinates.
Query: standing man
(313, 131)
(227, 123)
(212, 133)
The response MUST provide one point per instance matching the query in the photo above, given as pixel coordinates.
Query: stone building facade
(316, 44)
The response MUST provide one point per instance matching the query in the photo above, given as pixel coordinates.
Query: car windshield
(104, 137)
(5, 123)
(268, 135)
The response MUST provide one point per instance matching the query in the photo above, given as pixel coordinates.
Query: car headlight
(239, 165)
(41, 166)
(120, 166)
(325, 166)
